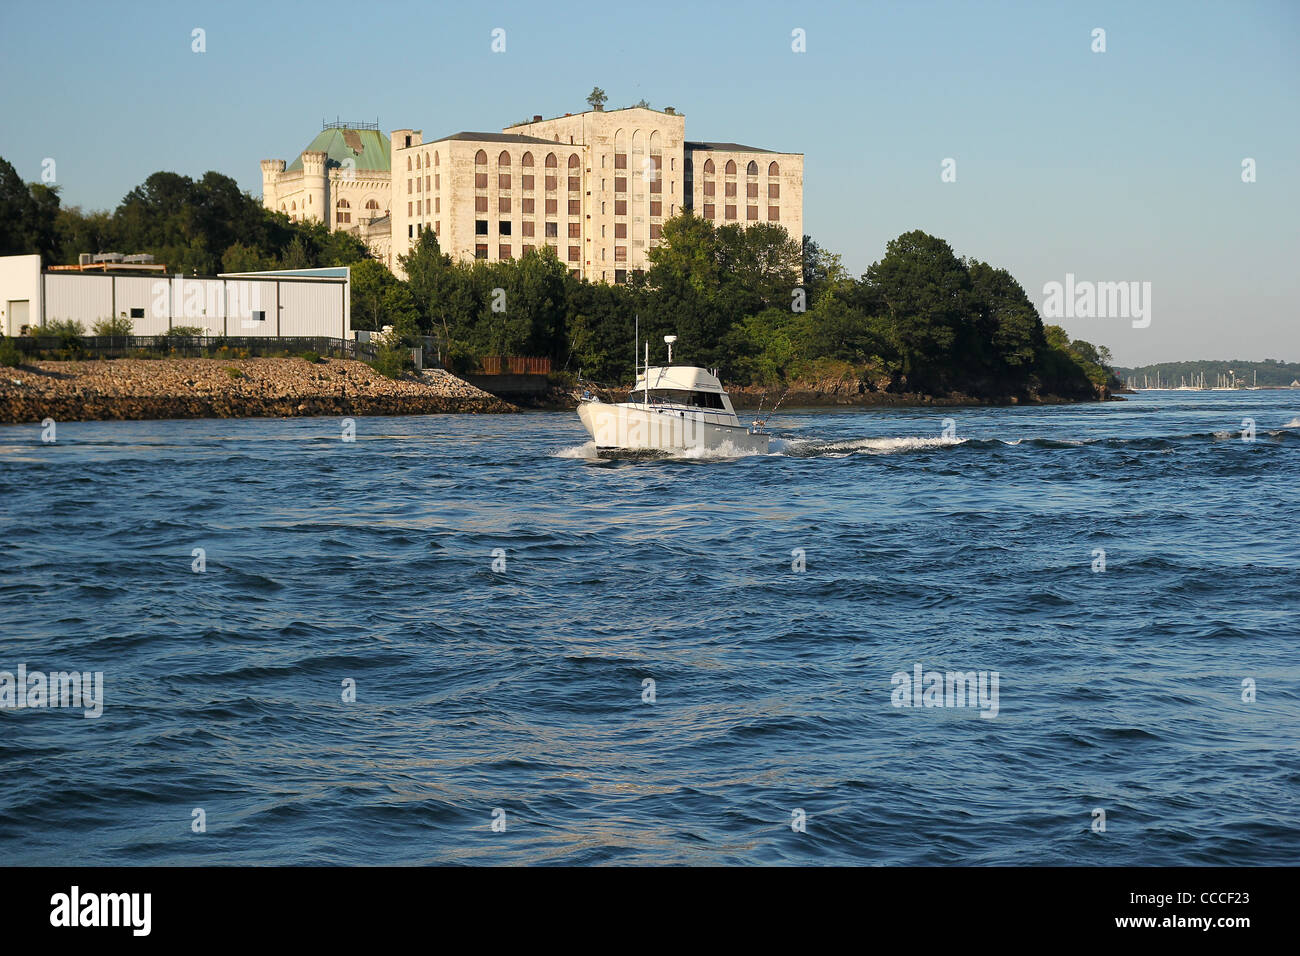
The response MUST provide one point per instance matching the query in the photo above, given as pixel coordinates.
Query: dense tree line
(762, 306)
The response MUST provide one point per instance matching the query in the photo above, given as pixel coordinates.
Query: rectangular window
(773, 190)
(437, 204)
(620, 160)
(437, 180)
(259, 316)
(550, 183)
(480, 227)
(656, 207)
(575, 183)
(526, 250)
(575, 230)
(419, 184)
(620, 207)
(527, 226)
(480, 203)
(620, 276)
(137, 313)
(503, 181)
(574, 253)
(552, 230)
(419, 207)
(730, 189)
(751, 190)
(529, 205)
(751, 213)
(437, 228)
(426, 184)
(575, 207)
(620, 184)
(480, 180)
(774, 213)
(709, 188)
(527, 182)
(503, 204)
(729, 212)
(620, 253)
(410, 209)
(503, 252)
(620, 230)
(480, 251)
(656, 185)
(552, 207)
(410, 186)
(410, 232)
(503, 228)
(656, 231)
(710, 210)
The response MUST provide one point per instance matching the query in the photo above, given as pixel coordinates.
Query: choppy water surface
(521, 688)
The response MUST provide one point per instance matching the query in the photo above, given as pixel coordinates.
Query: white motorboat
(672, 409)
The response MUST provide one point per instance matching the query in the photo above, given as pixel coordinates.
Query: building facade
(595, 186)
(285, 302)
(343, 179)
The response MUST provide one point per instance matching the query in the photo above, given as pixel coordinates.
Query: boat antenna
(670, 339)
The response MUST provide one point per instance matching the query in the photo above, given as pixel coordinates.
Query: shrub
(185, 332)
(391, 362)
(310, 357)
(10, 357)
(117, 327)
(234, 372)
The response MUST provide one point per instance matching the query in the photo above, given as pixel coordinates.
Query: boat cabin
(680, 386)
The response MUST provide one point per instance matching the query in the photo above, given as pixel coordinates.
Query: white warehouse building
(292, 302)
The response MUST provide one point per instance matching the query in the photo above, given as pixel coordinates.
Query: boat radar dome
(669, 340)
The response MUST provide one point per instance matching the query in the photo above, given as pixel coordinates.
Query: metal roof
(496, 138)
(730, 148)
(367, 148)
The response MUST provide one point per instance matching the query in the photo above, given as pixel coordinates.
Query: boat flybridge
(672, 409)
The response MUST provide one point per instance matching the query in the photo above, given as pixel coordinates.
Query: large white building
(595, 186)
(305, 302)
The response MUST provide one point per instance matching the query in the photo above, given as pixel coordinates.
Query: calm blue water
(522, 689)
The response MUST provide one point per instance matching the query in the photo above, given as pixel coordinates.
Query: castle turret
(315, 186)
(272, 170)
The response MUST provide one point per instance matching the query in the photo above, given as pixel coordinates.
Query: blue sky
(1115, 166)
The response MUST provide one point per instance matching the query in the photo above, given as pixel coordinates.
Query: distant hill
(1268, 372)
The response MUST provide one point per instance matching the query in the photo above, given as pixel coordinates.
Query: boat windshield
(679, 397)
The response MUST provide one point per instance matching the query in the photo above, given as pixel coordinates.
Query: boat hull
(633, 431)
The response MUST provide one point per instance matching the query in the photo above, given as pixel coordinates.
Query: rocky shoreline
(134, 389)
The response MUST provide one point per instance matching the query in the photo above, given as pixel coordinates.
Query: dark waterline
(521, 689)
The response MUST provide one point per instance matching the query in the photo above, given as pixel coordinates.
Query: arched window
(708, 165)
(293, 206)
(417, 160)
(372, 204)
(408, 164)
(731, 167)
(480, 158)
(527, 160)
(426, 159)
(773, 169)
(574, 162)
(503, 159)
(435, 158)
(344, 204)
(751, 169)
(550, 161)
